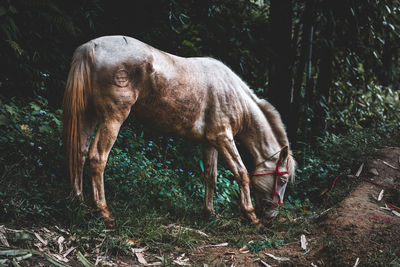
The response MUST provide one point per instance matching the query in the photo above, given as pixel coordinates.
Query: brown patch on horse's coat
(121, 78)
(199, 98)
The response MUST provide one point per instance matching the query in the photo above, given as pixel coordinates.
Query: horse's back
(187, 96)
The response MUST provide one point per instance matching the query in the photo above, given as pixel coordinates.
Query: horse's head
(269, 183)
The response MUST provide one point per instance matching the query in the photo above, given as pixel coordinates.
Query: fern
(15, 46)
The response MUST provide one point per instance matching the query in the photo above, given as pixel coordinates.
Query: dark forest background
(330, 67)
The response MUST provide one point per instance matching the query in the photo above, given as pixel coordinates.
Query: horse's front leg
(226, 146)
(210, 159)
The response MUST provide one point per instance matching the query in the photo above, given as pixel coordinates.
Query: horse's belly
(178, 117)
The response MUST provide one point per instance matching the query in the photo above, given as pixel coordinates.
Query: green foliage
(373, 107)
(259, 245)
(31, 150)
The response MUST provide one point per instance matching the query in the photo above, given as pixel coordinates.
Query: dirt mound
(362, 226)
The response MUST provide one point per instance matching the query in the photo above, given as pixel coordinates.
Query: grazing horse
(199, 98)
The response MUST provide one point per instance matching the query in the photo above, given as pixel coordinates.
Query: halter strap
(275, 173)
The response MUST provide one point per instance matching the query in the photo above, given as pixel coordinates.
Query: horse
(198, 98)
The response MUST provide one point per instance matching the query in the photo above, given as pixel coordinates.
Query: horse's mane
(278, 128)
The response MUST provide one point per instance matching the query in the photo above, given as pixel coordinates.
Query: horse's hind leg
(226, 146)
(210, 159)
(88, 125)
(106, 135)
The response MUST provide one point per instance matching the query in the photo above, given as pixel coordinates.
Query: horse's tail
(76, 104)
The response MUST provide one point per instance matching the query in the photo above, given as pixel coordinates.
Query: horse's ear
(283, 155)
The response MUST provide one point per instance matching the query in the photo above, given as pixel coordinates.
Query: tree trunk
(280, 81)
(297, 97)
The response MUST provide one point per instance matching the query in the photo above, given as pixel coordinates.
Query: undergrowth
(154, 184)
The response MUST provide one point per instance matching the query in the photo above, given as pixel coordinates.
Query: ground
(358, 230)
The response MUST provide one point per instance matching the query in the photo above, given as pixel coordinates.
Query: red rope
(274, 192)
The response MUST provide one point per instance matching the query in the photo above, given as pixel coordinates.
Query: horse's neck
(261, 142)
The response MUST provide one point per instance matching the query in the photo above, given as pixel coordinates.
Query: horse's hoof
(255, 222)
(110, 223)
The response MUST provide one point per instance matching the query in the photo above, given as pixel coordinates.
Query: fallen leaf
(374, 171)
(360, 170)
(140, 258)
(303, 242)
(389, 165)
(265, 264)
(182, 262)
(3, 240)
(386, 208)
(381, 195)
(68, 251)
(396, 213)
(244, 250)
(157, 263)
(357, 262)
(230, 253)
(60, 241)
(394, 207)
(277, 258)
(139, 250)
(313, 265)
(282, 220)
(44, 242)
(218, 245)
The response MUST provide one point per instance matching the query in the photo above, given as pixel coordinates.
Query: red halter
(274, 192)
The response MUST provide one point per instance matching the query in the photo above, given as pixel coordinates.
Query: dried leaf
(60, 241)
(141, 258)
(157, 263)
(217, 245)
(313, 265)
(44, 242)
(265, 264)
(68, 251)
(386, 208)
(360, 170)
(396, 213)
(139, 250)
(389, 165)
(277, 258)
(303, 242)
(182, 262)
(3, 240)
(244, 250)
(381, 195)
(374, 171)
(357, 262)
(394, 207)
